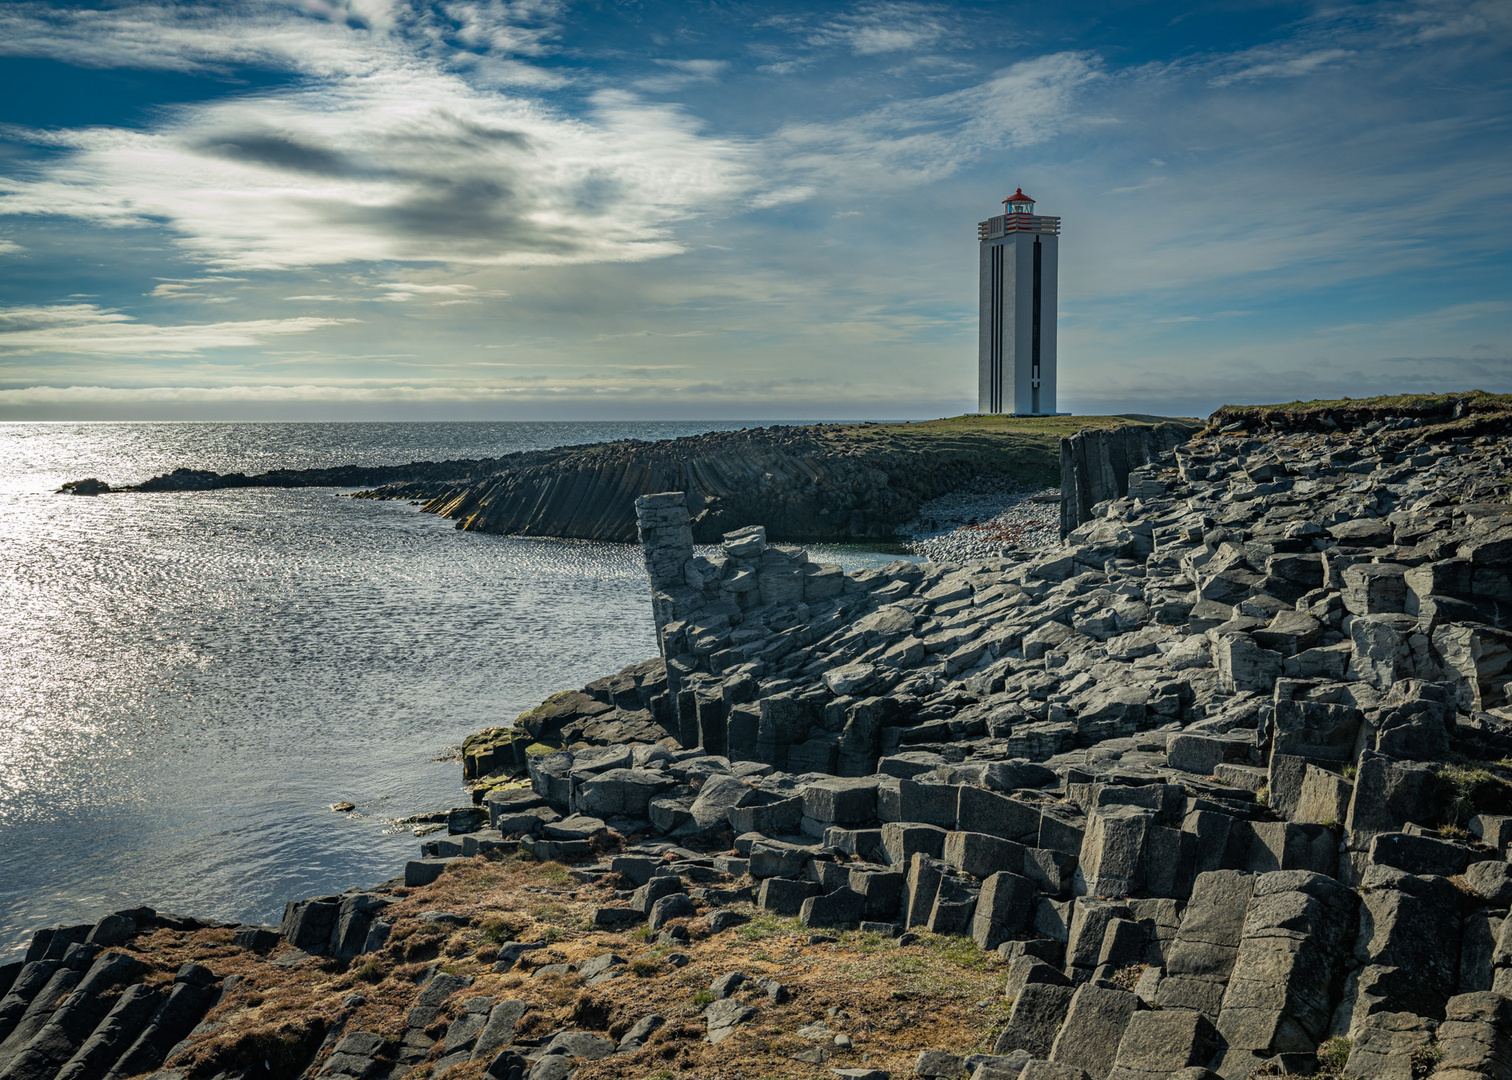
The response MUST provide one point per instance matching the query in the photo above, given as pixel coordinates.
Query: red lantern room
(1018, 203)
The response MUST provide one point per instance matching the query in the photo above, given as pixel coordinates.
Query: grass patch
(703, 997)
(1425, 1059)
(958, 951)
(766, 925)
(863, 941)
(553, 873)
(500, 930)
(1459, 789)
(1333, 1055)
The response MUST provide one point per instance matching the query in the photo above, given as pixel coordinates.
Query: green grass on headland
(1405, 404)
(1466, 413)
(1026, 448)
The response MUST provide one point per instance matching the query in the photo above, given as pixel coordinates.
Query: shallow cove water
(189, 680)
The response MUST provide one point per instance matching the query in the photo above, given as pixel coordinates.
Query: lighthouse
(1016, 336)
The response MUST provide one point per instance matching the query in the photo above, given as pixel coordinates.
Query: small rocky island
(1219, 787)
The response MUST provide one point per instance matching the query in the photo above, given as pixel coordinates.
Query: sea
(190, 681)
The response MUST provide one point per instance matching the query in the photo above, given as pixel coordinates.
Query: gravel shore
(985, 521)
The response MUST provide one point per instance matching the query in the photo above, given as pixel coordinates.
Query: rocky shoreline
(1219, 787)
(829, 482)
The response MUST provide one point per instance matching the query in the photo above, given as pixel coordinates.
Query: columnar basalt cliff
(822, 482)
(1219, 788)
(1226, 777)
(1095, 464)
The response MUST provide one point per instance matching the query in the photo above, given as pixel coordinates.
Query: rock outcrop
(1224, 775)
(1095, 464)
(833, 482)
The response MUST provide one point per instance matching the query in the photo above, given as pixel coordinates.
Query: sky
(523, 209)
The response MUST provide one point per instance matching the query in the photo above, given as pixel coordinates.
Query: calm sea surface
(189, 680)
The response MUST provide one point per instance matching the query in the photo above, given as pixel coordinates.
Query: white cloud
(439, 294)
(915, 141)
(385, 153)
(93, 330)
(9, 247)
(681, 74)
(1277, 64)
(872, 29)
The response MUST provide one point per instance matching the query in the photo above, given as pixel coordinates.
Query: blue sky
(533, 208)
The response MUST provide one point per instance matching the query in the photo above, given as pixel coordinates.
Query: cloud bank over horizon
(528, 208)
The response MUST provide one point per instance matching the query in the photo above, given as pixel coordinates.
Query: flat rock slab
(724, 1016)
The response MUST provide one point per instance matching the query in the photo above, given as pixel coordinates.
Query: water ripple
(188, 681)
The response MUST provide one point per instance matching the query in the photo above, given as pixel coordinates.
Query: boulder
(1038, 1014)
(1374, 588)
(1113, 850)
(1155, 1045)
(1289, 970)
(718, 795)
(901, 840)
(724, 1016)
(1094, 1028)
(982, 855)
(621, 792)
(983, 811)
(1004, 908)
(1244, 665)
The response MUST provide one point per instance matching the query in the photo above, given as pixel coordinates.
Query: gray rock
(1004, 908)
(784, 895)
(1050, 1070)
(902, 839)
(1113, 850)
(842, 908)
(636, 1037)
(1025, 970)
(939, 1064)
(723, 1017)
(442, 986)
(982, 855)
(841, 801)
(774, 858)
(1475, 1039)
(1158, 1044)
(580, 1044)
(653, 890)
(622, 792)
(718, 795)
(1290, 965)
(1094, 1027)
(1038, 1014)
(676, 906)
(1243, 665)
(1374, 588)
(1491, 881)
(1418, 854)
(979, 810)
(499, 1030)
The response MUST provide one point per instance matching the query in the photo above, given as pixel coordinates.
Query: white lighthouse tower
(1016, 347)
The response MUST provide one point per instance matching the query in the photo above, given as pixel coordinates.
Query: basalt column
(667, 539)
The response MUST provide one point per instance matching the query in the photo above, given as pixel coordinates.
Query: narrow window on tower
(1034, 346)
(995, 336)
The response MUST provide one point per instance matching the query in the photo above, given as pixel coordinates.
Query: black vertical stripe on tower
(1034, 347)
(995, 335)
